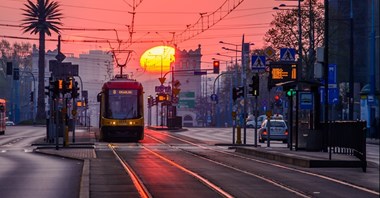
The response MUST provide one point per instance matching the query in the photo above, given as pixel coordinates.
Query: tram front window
(122, 104)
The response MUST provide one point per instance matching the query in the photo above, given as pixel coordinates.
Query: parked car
(250, 124)
(260, 120)
(278, 131)
(9, 123)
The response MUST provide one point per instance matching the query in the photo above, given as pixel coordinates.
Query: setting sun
(157, 59)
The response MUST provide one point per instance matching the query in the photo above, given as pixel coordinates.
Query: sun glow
(157, 59)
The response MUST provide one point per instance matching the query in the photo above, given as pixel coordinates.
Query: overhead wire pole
(299, 68)
(325, 72)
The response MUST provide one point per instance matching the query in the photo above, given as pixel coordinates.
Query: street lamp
(219, 54)
(236, 50)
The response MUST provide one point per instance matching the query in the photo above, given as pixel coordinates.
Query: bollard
(66, 136)
(238, 134)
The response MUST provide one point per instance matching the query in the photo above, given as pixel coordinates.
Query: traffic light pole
(256, 115)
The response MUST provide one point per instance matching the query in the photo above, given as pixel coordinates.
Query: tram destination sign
(282, 72)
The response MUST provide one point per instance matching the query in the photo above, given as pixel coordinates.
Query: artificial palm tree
(41, 17)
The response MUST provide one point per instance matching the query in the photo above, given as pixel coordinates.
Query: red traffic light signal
(277, 100)
(276, 97)
(216, 65)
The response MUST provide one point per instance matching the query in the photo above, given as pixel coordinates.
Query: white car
(260, 120)
(9, 123)
(278, 131)
(250, 124)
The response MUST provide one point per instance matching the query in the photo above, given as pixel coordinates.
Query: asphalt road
(27, 174)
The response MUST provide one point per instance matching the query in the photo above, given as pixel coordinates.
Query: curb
(85, 180)
(298, 160)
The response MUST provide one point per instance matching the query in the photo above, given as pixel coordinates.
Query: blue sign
(306, 100)
(287, 54)
(258, 62)
(214, 97)
(333, 95)
(332, 74)
(200, 72)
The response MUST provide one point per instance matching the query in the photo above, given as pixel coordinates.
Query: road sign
(269, 52)
(200, 72)
(162, 80)
(176, 91)
(258, 62)
(176, 83)
(333, 95)
(214, 97)
(162, 88)
(306, 100)
(332, 74)
(60, 57)
(282, 72)
(287, 54)
(175, 100)
(371, 100)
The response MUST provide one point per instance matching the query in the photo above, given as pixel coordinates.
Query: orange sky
(154, 21)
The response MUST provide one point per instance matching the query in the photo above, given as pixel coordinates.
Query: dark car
(278, 131)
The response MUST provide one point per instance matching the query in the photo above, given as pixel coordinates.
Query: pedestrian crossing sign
(258, 62)
(287, 54)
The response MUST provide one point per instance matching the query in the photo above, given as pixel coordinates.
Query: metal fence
(346, 137)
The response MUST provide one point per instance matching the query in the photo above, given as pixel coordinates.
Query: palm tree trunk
(41, 113)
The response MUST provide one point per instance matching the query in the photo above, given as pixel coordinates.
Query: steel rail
(283, 167)
(197, 176)
(140, 187)
(271, 181)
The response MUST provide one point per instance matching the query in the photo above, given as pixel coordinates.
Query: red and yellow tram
(2, 116)
(121, 110)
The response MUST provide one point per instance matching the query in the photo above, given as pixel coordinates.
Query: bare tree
(285, 31)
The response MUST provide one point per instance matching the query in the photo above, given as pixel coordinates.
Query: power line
(206, 21)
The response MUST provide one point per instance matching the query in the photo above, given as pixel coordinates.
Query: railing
(347, 137)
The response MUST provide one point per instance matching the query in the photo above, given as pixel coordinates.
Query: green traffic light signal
(291, 92)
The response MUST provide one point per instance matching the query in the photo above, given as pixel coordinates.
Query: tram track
(139, 185)
(143, 191)
(276, 165)
(270, 181)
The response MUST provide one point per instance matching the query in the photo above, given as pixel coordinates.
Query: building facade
(186, 63)
(95, 68)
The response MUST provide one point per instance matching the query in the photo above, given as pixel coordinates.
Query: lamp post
(299, 63)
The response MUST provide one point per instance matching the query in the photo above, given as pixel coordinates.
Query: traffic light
(9, 68)
(55, 88)
(16, 73)
(75, 90)
(255, 86)
(150, 101)
(216, 65)
(31, 96)
(69, 85)
(234, 94)
(277, 100)
(161, 97)
(291, 92)
(50, 87)
(237, 92)
(60, 85)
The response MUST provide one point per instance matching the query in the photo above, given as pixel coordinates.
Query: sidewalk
(82, 149)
